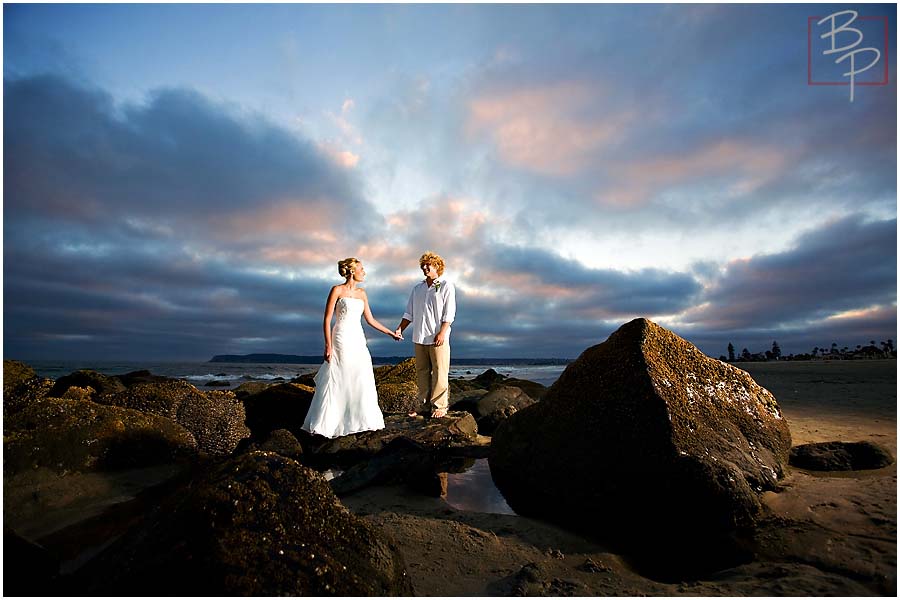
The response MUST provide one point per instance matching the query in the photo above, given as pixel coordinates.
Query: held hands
(397, 334)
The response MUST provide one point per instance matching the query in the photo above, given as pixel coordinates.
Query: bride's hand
(327, 353)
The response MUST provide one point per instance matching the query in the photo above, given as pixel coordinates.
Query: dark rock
(402, 372)
(457, 432)
(79, 393)
(430, 483)
(643, 435)
(488, 378)
(397, 398)
(251, 387)
(218, 383)
(284, 443)
(258, 525)
(103, 384)
(16, 373)
(144, 376)
(840, 456)
(461, 386)
(591, 566)
(79, 435)
(21, 386)
(215, 418)
(280, 441)
(535, 579)
(401, 460)
(534, 390)
(467, 401)
(498, 405)
(280, 406)
(308, 379)
(396, 386)
(28, 569)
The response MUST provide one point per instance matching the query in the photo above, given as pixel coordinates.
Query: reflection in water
(474, 490)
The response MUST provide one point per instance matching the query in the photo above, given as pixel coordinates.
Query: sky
(181, 181)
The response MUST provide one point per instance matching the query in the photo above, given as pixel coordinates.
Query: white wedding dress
(345, 401)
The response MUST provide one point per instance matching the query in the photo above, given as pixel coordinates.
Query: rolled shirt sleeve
(408, 315)
(449, 303)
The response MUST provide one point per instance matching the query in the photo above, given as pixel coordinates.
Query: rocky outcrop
(80, 393)
(456, 433)
(215, 418)
(499, 404)
(102, 384)
(308, 379)
(281, 406)
(258, 525)
(80, 435)
(840, 456)
(467, 400)
(251, 387)
(396, 386)
(403, 371)
(534, 390)
(21, 386)
(488, 378)
(280, 441)
(143, 376)
(644, 433)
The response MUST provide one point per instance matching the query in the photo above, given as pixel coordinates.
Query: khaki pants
(433, 376)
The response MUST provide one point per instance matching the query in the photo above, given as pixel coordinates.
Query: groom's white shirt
(428, 307)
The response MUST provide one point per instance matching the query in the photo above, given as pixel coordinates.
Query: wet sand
(827, 534)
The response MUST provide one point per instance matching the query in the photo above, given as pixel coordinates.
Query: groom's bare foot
(412, 413)
(439, 413)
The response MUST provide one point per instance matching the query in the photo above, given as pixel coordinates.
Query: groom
(431, 309)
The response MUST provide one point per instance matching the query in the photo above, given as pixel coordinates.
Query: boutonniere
(437, 285)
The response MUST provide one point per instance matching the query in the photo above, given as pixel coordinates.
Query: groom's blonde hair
(432, 259)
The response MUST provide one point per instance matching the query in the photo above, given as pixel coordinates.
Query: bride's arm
(371, 320)
(326, 322)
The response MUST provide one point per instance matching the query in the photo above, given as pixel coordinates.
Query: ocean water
(202, 373)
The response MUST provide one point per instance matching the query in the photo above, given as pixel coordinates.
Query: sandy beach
(828, 534)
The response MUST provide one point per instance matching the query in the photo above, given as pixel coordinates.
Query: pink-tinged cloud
(551, 130)
(746, 166)
(296, 217)
(338, 155)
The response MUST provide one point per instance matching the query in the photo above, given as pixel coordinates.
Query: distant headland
(294, 359)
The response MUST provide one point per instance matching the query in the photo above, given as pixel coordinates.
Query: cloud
(550, 129)
(174, 228)
(843, 272)
(79, 153)
(571, 181)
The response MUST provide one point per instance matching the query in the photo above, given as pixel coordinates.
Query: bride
(345, 401)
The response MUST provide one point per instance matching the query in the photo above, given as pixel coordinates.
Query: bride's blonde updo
(345, 267)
